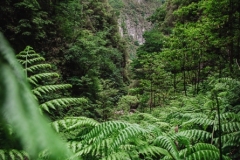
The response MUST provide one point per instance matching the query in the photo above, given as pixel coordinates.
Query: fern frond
(148, 117)
(195, 134)
(231, 127)
(229, 115)
(74, 146)
(2, 155)
(194, 115)
(62, 102)
(70, 123)
(31, 61)
(232, 141)
(103, 130)
(166, 143)
(49, 88)
(37, 67)
(13, 154)
(181, 139)
(126, 134)
(202, 151)
(150, 150)
(34, 79)
(233, 137)
(118, 156)
(25, 55)
(200, 121)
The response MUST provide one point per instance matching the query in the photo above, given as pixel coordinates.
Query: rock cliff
(132, 19)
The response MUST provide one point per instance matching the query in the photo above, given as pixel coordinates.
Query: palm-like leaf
(195, 134)
(37, 67)
(204, 151)
(61, 102)
(168, 144)
(71, 123)
(34, 78)
(31, 61)
(49, 88)
(13, 154)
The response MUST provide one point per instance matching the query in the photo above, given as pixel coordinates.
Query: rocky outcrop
(133, 18)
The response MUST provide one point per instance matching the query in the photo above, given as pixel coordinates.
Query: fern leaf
(204, 155)
(13, 154)
(2, 155)
(200, 121)
(168, 144)
(150, 150)
(118, 156)
(34, 79)
(31, 61)
(20, 154)
(231, 127)
(229, 138)
(103, 130)
(148, 117)
(232, 142)
(194, 115)
(74, 146)
(37, 67)
(195, 134)
(49, 88)
(71, 123)
(62, 102)
(25, 55)
(127, 133)
(181, 139)
(204, 151)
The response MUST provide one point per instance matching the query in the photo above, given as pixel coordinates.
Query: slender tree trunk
(220, 128)
(184, 77)
(174, 82)
(199, 70)
(151, 96)
(231, 36)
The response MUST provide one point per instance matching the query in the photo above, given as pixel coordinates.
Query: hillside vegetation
(69, 91)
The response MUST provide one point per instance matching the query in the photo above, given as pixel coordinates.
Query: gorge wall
(132, 20)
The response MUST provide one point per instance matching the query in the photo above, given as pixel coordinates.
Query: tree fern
(230, 129)
(38, 74)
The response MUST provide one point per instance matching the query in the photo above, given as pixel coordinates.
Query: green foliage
(126, 103)
(113, 139)
(41, 79)
(19, 110)
(13, 154)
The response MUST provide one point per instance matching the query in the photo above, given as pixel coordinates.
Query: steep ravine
(132, 20)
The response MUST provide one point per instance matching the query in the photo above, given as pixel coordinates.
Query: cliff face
(133, 18)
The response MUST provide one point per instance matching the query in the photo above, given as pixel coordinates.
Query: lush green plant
(42, 81)
(114, 139)
(20, 115)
